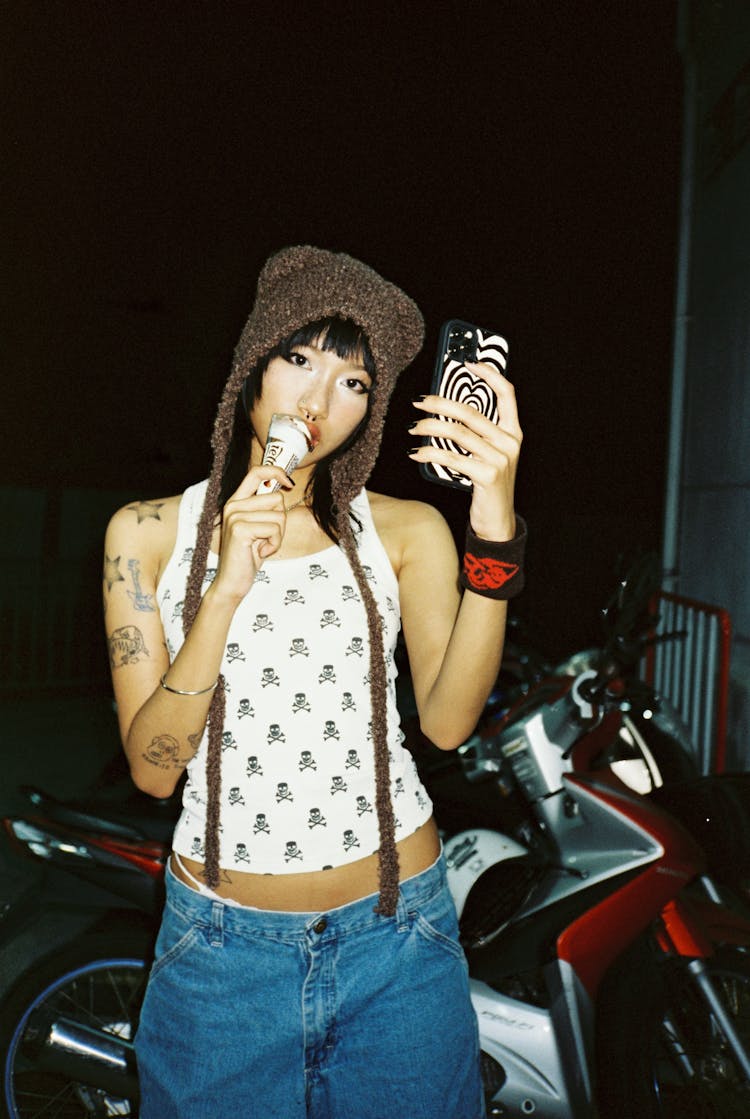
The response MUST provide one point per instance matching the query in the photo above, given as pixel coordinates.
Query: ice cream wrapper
(287, 443)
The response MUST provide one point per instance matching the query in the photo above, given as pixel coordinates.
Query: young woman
(308, 962)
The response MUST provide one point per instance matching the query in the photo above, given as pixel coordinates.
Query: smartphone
(461, 342)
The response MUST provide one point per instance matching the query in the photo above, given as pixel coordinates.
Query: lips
(314, 433)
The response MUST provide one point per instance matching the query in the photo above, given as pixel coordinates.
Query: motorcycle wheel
(99, 982)
(660, 1054)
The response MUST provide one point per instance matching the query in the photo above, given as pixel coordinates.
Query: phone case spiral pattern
(459, 342)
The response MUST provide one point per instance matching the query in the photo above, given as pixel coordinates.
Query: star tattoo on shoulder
(146, 509)
(112, 573)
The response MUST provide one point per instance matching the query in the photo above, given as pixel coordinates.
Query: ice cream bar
(287, 443)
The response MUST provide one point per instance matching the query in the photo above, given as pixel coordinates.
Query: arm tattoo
(126, 646)
(142, 601)
(195, 741)
(164, 751)
(145, 509)
(112, 572)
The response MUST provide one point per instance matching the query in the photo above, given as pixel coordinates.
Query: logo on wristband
(487, 573)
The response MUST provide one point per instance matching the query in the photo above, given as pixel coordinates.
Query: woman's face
(328, 392)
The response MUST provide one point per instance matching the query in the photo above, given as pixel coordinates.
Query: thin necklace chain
(294, 504)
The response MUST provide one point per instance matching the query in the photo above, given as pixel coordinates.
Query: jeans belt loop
(217, 924)
(402, 914)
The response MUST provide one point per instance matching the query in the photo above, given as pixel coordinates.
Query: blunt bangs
(340, 336)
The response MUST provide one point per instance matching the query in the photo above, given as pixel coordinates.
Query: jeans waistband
(286, 925)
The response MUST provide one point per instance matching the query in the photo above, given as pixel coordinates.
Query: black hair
(337, 335)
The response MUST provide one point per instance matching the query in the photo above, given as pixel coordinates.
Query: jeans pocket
(176, 936)
(437, 923)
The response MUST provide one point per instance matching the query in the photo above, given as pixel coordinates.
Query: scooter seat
(134, 820)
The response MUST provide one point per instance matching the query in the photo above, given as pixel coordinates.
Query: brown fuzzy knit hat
(298, 286)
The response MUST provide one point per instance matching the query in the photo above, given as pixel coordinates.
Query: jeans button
(321, 925)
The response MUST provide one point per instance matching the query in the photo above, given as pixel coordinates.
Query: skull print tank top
(297, 771)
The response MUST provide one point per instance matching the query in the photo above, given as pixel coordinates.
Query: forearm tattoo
(165, 752)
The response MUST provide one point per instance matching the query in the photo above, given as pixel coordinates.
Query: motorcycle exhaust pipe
(83, 1054)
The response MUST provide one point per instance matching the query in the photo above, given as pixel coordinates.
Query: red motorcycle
(606, 982)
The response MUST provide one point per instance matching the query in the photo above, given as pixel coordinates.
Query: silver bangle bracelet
(180, 691)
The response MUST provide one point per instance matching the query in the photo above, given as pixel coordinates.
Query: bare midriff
(322, 889)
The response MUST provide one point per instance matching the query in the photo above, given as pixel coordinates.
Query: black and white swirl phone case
(461, 342)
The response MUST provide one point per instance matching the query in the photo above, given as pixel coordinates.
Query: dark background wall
(514, 163)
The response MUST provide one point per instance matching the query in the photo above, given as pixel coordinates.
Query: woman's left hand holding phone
(493, 450)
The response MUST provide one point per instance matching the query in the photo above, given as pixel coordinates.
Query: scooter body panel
(523, 1039)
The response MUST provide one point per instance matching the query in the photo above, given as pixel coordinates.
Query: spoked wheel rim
(104, 994)
(696, 1075)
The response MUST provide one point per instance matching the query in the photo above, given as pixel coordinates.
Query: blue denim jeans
(337, 1015)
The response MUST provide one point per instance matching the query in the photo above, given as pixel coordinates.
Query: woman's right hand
(252, 529)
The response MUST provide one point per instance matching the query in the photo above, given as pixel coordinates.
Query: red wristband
(494, 568)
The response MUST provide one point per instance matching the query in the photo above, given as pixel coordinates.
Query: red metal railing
(689, 666)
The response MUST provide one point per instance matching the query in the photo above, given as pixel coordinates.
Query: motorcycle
(653, 752)
(605, 982)
(77, 942)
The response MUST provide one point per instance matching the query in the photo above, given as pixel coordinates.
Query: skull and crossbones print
(292, 851)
